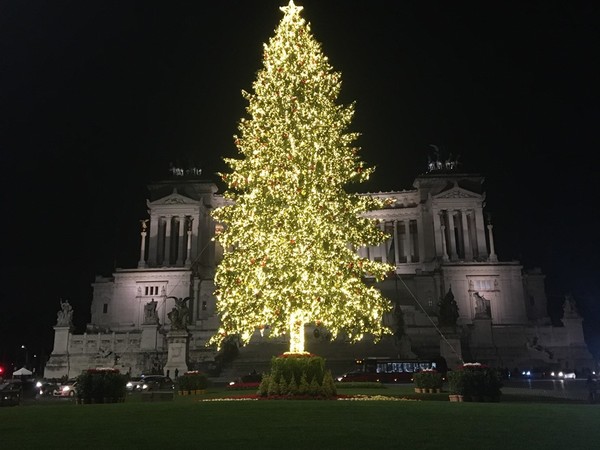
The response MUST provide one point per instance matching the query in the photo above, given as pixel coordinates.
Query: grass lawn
(187, 422)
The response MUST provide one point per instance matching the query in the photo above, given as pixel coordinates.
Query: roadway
(568, 389)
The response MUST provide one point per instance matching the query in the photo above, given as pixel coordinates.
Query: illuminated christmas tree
(291, 231)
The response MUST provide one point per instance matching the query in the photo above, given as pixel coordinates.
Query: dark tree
(448, 310)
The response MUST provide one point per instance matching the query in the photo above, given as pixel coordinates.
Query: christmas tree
(291, 231)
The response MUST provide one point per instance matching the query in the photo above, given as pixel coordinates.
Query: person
(592, 387)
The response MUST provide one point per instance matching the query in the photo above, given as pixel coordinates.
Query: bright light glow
(297, 319)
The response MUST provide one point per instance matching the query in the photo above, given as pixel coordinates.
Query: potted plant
(456, 385)
(428, 380)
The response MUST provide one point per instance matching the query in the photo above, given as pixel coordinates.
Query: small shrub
(263, 388)
(298, 375)
(101, 386)
(476, 382)
(428, 379)
(192, 381)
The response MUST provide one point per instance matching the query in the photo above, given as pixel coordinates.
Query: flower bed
(358, 397)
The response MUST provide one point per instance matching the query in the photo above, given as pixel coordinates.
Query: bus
(387, 370)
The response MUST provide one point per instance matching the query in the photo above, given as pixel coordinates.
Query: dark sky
(97, 97)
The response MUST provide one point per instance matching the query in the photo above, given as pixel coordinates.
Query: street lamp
(23, 347)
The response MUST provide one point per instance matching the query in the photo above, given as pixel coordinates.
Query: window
(150, 290)
(483, 285)
(105, 308)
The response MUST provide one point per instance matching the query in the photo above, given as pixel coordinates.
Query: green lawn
(188, 422)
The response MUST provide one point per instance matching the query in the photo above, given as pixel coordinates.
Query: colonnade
(170, 241)
(460, 235)
(405, 245)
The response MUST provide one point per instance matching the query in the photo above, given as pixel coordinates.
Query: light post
(24, 348)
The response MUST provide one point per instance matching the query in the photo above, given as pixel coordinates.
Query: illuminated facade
(439, 241)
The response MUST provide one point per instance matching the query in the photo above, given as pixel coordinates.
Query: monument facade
(159, 315)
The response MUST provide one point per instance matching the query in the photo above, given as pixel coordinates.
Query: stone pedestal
(574, 328)
(150, 338)
(482, 332)
(178, 341)
(451, 350)
(57, 365)
(61, 340)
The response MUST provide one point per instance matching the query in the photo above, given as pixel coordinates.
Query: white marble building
(439, 240)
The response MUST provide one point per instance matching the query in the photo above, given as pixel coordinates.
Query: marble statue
(150, 315)
(64, 317)
(482, 305)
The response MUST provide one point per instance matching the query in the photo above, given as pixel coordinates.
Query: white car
(563, 375)
(68, 389)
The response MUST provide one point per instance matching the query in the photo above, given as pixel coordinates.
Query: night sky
(98, 97)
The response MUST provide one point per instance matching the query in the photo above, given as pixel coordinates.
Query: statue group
(64, 317)
(179, 315)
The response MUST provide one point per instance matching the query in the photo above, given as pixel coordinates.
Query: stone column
(480, 228)
(452, 234)
(180, 249)
(493, 257)
(188, 258)
(421, 239)
(396, 259)
(153, 241)
(444, 252)
(167, 255)
(466, 237)
(407, 249)
(437, 221)
(142, 261)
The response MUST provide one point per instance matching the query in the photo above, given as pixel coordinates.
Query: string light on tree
(291, 231)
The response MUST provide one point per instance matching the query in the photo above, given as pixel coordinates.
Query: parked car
(535, 373)
(135, 384)
(68, 389)
(46, 387)
(251, 380)
(157, 383)
(563, 374)
(10, 394)
(26, 387)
